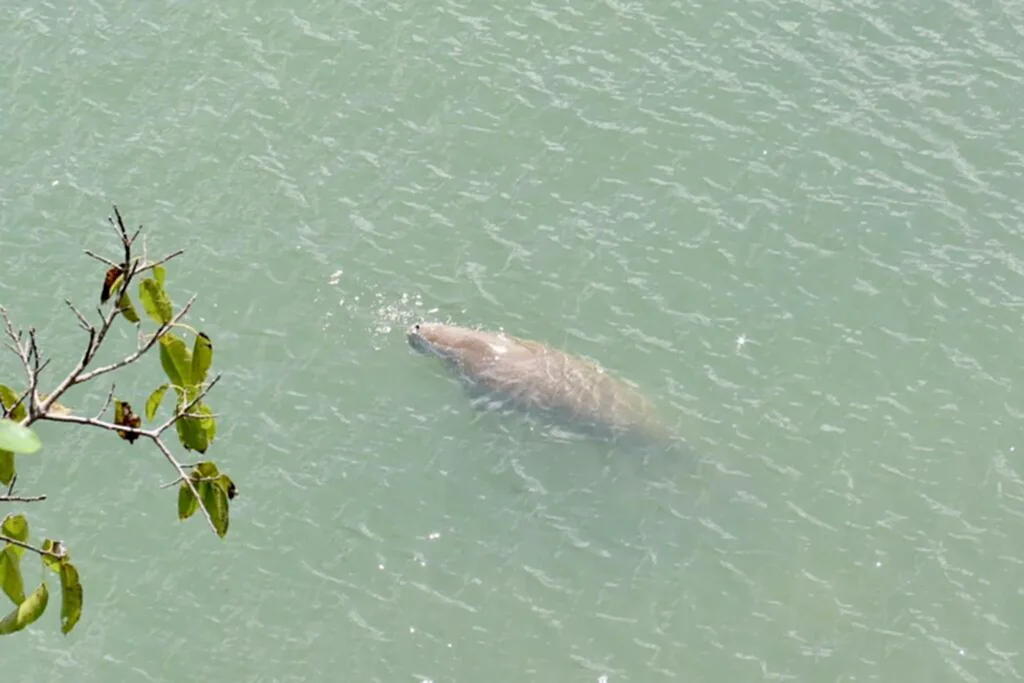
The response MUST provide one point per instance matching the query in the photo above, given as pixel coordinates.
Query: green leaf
(214, 490)
(192, 431)
(10, 573)
(57, 548)
(154, 400)
(16, 527)
(191, 434)
(9, 398)
(224, 481)
(176, 360)
(215, 499)
(127, 309)
(206, 420)
(17, 438)
(70, 597)
(160, 274)
(26, 612)
(202, 358)
(155, 301)
(70, 586)
(7, 470)
(205, 470)
(187, 503)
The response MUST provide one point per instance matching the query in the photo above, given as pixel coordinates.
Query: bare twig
(162, 261)
(102, 259)
(26, 546)
(184, 466)
(81, 318)
(28, 353)
(21, 499)
(106, 404)
(21, 350)
(145, 263)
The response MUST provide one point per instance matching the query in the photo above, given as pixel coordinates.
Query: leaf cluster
(28, 608)
(201, 486)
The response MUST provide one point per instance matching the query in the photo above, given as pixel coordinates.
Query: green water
(795, 225)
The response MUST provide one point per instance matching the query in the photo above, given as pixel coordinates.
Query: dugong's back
(542, 378)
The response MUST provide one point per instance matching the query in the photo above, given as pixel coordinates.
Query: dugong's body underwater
(536, 378)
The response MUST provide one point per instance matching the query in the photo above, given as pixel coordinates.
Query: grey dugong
(537, 378)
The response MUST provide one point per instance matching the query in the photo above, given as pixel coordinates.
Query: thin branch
(17, 345)
(26, 546)
(37, 369)
(102, 259)
(139, 352)
(9, 497)
(119, 228)
(162, 261)
(185, 410)
(15, 337)
(28, 352)
(94, 422)
(181, 473)
(148, 266)
(201, 416)
(81, 318)
(21, 399)
(96, 338)
(153, 435)
(106, 404)
(33, 349)
(184, 466)
(21, 499)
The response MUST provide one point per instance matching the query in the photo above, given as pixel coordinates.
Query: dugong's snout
(416, 339)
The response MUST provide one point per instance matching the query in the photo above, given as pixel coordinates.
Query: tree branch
(92, 422)
(106, 404)
(138, 353)
(28, 352)
(21, 350)
(86, 325)
(26, 546)
(184, 477)
(165, 259)
(96, 338)
(151, 434)
(185, 410)
(21, 499)
(101, 259)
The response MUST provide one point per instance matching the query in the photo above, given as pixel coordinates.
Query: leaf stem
(27, 546)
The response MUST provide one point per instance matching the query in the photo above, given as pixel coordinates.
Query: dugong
(536, 378)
